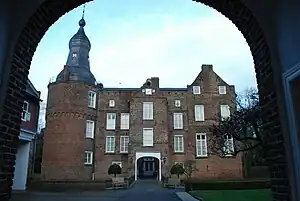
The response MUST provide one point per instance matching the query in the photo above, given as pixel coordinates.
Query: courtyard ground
(143, 190)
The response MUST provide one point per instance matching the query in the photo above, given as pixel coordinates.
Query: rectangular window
(196, 90)
(148, 111)
(201, 145)
(88, 157)
(124, 140)
(228, 145)
(199, 112)
(111, 103)
(222, 89)
(111, 121)
(119, 163)
(89, 129)
(177, 103)
(148, 137)
(178, 144)
(110, 144)
(225, 111)
(124, 121)
(92, 99)
(25, 115)
(178, 120)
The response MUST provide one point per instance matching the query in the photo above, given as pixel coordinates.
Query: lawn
(234, 195)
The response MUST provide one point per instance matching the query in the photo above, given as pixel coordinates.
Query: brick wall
(51, 10)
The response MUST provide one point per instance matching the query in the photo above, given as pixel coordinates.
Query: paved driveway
(144, 190)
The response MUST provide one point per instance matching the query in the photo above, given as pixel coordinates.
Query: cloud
(174, 50)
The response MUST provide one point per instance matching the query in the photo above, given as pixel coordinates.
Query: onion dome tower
(65, 142)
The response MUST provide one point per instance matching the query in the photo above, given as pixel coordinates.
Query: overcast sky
(133, 40)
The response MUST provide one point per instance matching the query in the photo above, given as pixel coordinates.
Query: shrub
(226, 185)
(177, 169)
(114, 169)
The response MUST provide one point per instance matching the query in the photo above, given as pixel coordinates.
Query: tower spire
(83, 11)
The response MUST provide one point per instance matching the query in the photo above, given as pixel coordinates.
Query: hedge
(226, 185)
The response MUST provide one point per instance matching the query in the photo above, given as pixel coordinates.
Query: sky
(134, 40)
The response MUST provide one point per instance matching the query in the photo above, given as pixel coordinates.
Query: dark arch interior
(148, 168)
(50, 11)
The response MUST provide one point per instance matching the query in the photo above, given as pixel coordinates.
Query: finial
(82, 21)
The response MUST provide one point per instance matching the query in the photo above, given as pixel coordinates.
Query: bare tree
(189, 168)
(241, 132)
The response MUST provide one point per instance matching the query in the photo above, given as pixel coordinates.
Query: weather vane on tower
(83, 11)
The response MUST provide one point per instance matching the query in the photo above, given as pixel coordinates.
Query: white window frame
(199, 112)
(176, 144)
(125, 121)
(178, 121)
(124, 141)
(88, 157)
(148, 110)
(111, 121)
(228, 150)
(25, 115)
(118, 163)
(200, 143)
(222, 90)
(90, 129)
(111, 103)
(196, 90)
(92, 98)
(110, 144)
(144, 132)
(177, 103)
(222, 110)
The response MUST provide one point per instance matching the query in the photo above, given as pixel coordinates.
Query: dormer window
(148, 91)
(196, 90)
(111, 103)
(222, 90)
(74, 55)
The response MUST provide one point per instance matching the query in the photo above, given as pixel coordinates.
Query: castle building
(145, 130)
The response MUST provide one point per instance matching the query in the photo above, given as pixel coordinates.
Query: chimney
(207, 67)
(155, 82)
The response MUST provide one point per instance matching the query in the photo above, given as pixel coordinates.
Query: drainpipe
(94, 151)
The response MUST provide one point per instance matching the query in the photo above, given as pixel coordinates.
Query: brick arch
(51, 10)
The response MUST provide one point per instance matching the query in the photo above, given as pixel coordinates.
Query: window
(111, 103)
(178, 120)
(199, 112)
(25, 115)
(88, 157)
(89, 129)
(222, 89)
(110, 144)
(196, 90)
(148, 137)
(225, 111)
(228, 145)
(178, 143)
(74, 55)
(148, 91)
(148, 110)
(201, 145)
(111, 121)
(124, 121)
(92, 99)
(177, 103)
(119, 163)
(124, 140)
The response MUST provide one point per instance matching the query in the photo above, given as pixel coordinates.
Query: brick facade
(67, 111)
(50, 11)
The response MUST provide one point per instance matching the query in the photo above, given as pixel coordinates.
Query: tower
(71, 102)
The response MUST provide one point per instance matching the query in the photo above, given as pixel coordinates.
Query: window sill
(229, 156)
(201, 157)
(178, 153)
(91, 107)
(91, 138)
(123, 152)
(110, 153)
(88, 164)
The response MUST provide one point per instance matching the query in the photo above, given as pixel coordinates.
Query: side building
(145, 130)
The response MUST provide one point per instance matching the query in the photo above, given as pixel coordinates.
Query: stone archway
(51, 10)
(140, 155)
